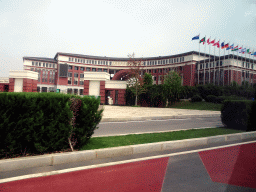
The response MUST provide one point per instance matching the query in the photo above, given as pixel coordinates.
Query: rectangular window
(93, 69)
(82, 68)
(88, 69)
(76, 60)
(75, 82)
(99, 70)
(76, 75)
(105, 70)
(69, 59)
(81, 75)
(70, 67)
(81, 82)
(43, 64)
(110, 63)
(36, 63)
(69, 81)
(92, 61)
(39, 64)
(206, 65)
(33, 63)
(76, 68)
(50, 65)
(81, 92)
(69, 91)
(46, 64)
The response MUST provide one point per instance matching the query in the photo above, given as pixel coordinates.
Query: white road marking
(143, 121)
(115, 163)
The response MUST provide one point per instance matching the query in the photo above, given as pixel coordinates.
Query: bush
(210, 98)
(196, 98)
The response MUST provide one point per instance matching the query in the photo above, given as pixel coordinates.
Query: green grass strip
(197, 105)
(134, 139)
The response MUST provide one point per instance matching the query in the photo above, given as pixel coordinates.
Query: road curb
(155, 118)
(58, 158)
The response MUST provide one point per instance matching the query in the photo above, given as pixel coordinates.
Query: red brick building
(106, 76)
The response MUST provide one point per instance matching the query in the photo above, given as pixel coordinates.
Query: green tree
(135, 82)
(172, 87)
(147, 79)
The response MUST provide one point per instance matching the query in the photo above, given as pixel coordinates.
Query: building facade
(106, 76)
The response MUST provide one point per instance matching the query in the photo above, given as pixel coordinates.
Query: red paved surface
(233, 165)
(137, 176)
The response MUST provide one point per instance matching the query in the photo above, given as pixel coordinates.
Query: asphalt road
(149, 126)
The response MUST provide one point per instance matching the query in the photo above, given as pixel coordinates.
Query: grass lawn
(133, 139)
(197, 105)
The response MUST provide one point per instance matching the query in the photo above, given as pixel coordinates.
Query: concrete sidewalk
(124, 113)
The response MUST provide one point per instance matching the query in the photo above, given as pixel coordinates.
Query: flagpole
(209, 61)
(214, 68)
(204, 62)
(219, 68)
(198, 64)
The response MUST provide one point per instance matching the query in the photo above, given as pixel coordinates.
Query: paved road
(149, 126)
(226, 168)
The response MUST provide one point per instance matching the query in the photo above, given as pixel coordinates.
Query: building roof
(126, 59)
(40, 59)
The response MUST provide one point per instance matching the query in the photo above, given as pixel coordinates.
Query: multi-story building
(106, 76)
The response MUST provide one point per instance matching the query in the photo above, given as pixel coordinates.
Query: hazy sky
(115, 28)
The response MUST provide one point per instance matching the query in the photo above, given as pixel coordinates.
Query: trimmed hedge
(238, 114)
(41, 122)
(196, 98)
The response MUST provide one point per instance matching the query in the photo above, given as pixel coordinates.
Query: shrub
(196, 98)
(210, 98)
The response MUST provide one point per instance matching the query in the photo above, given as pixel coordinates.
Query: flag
(248, 51)
(235, 48)
(222, 45)
(243, 50)
(208, 41)
(202, 40)
(254, 53)
(226, 46)
(212, 42)
(230, 47)
(217, 43)
(195, 38)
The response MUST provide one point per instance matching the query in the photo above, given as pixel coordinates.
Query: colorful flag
(230, 47)
(195, 38)
(212, 42)
(254, 53)
(222, 45)
(202, 40)
(217, 43)
(226, 46)
(242, 50)
(248, 51)
(208, 41)
(235, 48)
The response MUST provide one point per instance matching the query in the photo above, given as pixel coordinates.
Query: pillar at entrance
(23, 81)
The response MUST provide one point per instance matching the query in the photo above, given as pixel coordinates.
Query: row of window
(41, 64)
(76, 75)
(155, 62)
(164, 61)
(75, 82)
(247, 65)
(87, 68)
(209, 65)
(85, 61)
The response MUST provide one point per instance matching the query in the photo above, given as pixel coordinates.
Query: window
(69, 67)
(76, 68)
(243, 64)
(100, 70)
(92, 61)
(81, 92)
(174, 60)
(88, 69)
(76, 75)
(106, 62)
(81, 82)
(36, 63)
(43, 64)
(33, 63)
(154, 78)
(105, 70)
(75, 82)
(69, 91)
(81, 75)
(69, 74)
(46, 64)
(69, 81)
(160, 70)
(39, 64)
(206, 65)
(76, 60)
(82, 68)
(75, 91)
(50, 65)
(69, 59)
(93, 69)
